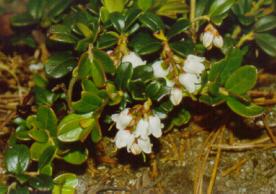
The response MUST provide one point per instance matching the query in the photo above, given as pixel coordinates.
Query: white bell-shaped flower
(122, 119)
(194, 64)
(218, 41)
(134, 148)
(134, 59)
(124, 138)
(191, 82)
(142, 129)
(176, 96)
(158, 70)
(155, 126)
(145, 145)
(207, 39)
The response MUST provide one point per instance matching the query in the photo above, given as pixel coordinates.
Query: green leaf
(44, 96)
(241, 8)
(17, 159)
(89, 86)
(180, 118)
(57, 7)
(96, 133)
(152, 21)
(143, 72)
(70, 129)
(265, 23)
(244, 110)
(144, 4)
(39, 135)
(137, 89)
(171, 8)
(131, 17)
(155, 89)
(24, 19)
(37, 149)
(85, 30)
(36, 8)
(144, 44)
(65, 183)
(107, 40)
(180, 26)
(118, 21)
(41, 183)
(123, 75)
(267, 42)
(218, 10)
(84, 66)
(114, 5)
(62, 33)
(76, 156)
(221, 70)
(242, 80)
(104, 61)
(89, 102)
(19, 190)
(47, 119)
(182, 48)
(97, 73)
(46, 157)
(59, 64)
(46, 170)
(202, 6)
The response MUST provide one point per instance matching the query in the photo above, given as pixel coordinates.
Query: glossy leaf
(219, 9)
(47, 119)
(242, 80)
(96, 133)
(123, 75)
(131, 17)
(266, 23)
(152, 21)
(118, 21)
(76, 156)
(41, 183)
(244, 110)
(107, 40)
(98, 74)
(89, 102)
(103, 60)
(46, 157)
(65, 183)
(36, 8)
(17, 159)
(180, 26)
(23, 19)
(114, 5)
(267, 42)
(144, 4)
(39, 135)
(37, 149)
(70, 129)
(59, 64)
(84, 66)
(144, 44)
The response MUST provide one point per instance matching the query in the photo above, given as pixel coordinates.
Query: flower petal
(123, 138)
(122, 119)
(155, 126)
(145, 145)
(135, 149)
(193, 64)
(142, 129)
(134, 59)
(158, 70)
(191, 82)
(218, 41)
(207, 39)
(176, 96)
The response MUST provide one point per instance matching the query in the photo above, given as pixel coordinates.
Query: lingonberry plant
(125, 65)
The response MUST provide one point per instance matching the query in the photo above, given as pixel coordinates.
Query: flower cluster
(211, 37)
(134, 131)
(190, 78)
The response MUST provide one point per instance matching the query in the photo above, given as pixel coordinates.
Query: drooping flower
(158, 70)
(155, 126)
(134, 59)
(194, 64)
(122, 119)
(191, 82)
(176, 96)
(136, 137)
(123, 138)
(211, 37)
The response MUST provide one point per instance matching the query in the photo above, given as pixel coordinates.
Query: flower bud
(176, 96)
(207, 39)
(218, 41)
(193, 64)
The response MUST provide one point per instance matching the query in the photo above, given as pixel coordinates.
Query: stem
(70, 91)
(247, 37)
(192, 17)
